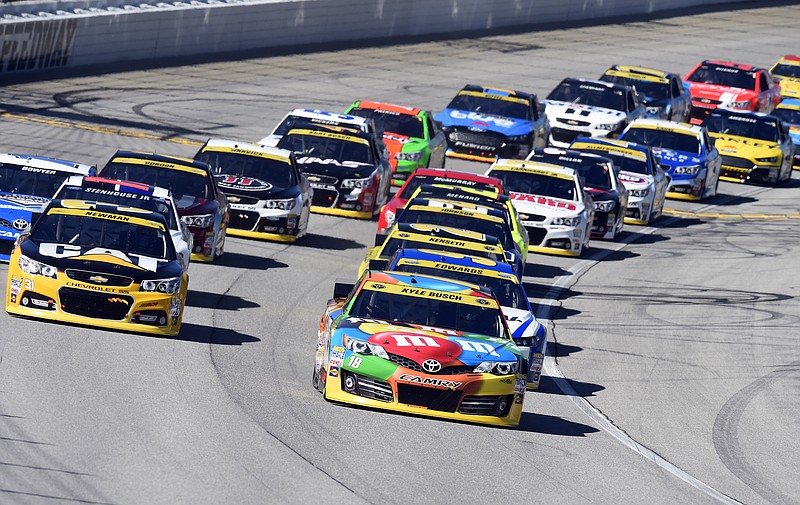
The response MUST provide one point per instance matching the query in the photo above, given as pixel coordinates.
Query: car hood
(732, 144)
(396, 143)
(484, 122)
(567, 110)
(18, 201)
(725, 94)
(526, 203)
(112, 261)
(256, 188)
(602, 195)
(450, 348)
(635, 181)
(334, 168)
(790, 88)
(675, 158)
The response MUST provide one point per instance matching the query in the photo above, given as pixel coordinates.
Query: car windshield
(491, 106)
(157, 205)
(394, 243)
(419, 180)
(653, 90)
(537, 184)
(465, 222)
(789, 116)
(24, 180)
(188, 188)
(274, 171)
(688, 143)
(393, 122)
(585, 93)
(90, 232)
(326, 147)
(784, 70)
(724, 76)
(594, 172)
(435, 312)
(741, 126)
(508, 293)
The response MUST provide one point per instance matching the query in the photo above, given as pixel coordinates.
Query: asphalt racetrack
(675, 362)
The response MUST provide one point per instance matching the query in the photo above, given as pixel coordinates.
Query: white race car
(585, 108)
(552, 203)
(639, 171)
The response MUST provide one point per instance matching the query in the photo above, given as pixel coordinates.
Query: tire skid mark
(726, 436)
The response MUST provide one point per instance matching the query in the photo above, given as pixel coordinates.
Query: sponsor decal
(9, 234)
(543, 200)
(482, 118)
(478, 347)
(36, 45)
(16, 285)
(118, 300)
(24, 200)
(307, 160)
(243, 184)
(355, 361)
(431, 366)
(430, 381)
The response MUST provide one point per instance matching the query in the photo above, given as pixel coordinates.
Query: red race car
(730, 85)
(434, 176)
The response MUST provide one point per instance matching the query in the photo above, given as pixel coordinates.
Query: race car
(303, 117)
(411, 136)
(467, 216)
(27, 183)
(269, 198)
(420, 345)
(481, 201)
(132, 194)
(483, 123)
(664, 94)
(786, 71)
(99, 264)
(755, 147)
(601, 181)
(202, 206)
(730, 85)
(349, 175)
(526, 331)
(433, 176)
(685, 151)
(552, 204)
(639, 172)
(430, 236)
(584, 108)
(788, 111)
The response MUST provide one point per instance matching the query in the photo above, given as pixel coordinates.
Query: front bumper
(559, 241)
(483, 146)
(335, 201)
(639, 211)
(743, 170)
(604, 226)
(686, 188)
(264, 224)
(480, 398)
(76, 303)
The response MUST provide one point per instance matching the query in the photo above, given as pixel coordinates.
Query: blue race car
(789, 112)
(526, 331)
(483, 123)
(685, 151)
(27, 183)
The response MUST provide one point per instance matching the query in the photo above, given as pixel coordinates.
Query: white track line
(554, 372)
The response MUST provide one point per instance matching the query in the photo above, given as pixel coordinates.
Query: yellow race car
(787, 72)
(98, 264)
(754, 147)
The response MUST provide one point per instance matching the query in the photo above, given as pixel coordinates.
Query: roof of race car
(45, 163)
(460, 193)
(387, 107)
(109, 211)
(534, 167)
(334, 132)
(757, 116)
(553, 152)
(789, 103)
(421, 282)
(444, 206)
(434, 233)
(499, 93)
(454, 261)
(168, 162)
(247, 149)
(616, 146)
(610, 85)
(663, 124)
(117, 185)
(639, 73)
(730, 64)
(333, 117)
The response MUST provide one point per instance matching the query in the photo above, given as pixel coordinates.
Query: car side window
(631, 102)
(430, 126)
(534, 110)
(763, 83)
(677, 89)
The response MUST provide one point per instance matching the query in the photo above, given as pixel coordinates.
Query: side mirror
(380, 238)
(342, 288)
(377, 264)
